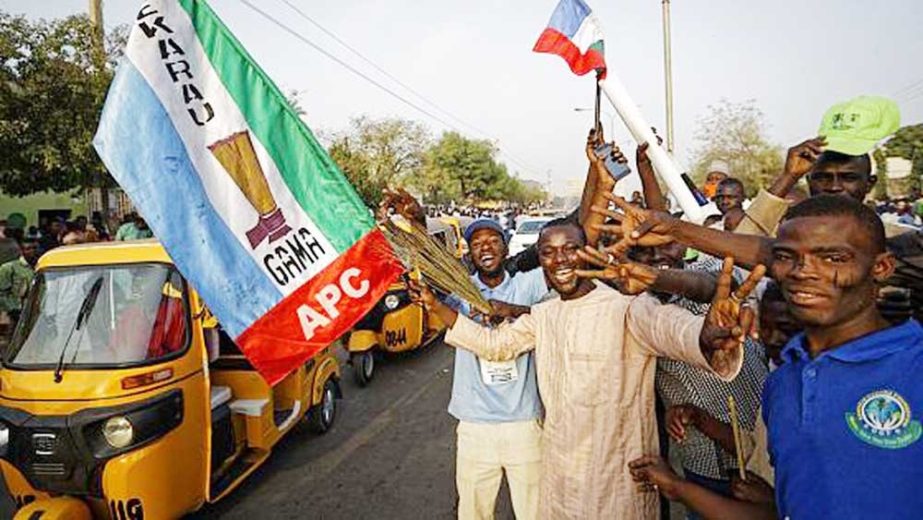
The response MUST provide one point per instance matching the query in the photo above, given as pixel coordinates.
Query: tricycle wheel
(363, 367)
(323, 413)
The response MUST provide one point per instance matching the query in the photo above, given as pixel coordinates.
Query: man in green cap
(838, 162)
(15, 226)
(15, 277)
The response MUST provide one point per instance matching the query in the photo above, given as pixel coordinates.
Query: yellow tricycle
(122, 398)
(396, 324)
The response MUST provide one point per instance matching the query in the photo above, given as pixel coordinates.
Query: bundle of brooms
(417, 249)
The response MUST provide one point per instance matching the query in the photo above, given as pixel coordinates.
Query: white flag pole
(694, 205)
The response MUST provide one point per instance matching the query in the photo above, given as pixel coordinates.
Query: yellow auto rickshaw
(395, 324)
(121, 397)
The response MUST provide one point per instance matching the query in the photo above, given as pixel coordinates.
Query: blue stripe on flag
(142, 149)
(568, 16)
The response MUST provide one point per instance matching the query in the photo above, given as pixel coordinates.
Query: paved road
(391, 453)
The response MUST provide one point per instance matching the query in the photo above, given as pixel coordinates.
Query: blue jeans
(722, 487)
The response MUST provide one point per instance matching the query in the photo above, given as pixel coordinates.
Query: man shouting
(595, 351)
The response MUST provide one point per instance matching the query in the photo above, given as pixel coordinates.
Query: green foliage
(53, 82)
(294, 99)
(908, 143)
(528, 193)
(469, 164)
(880, 189)
(375, 154)
(735, 133)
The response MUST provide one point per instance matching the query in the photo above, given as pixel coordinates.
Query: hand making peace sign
(729, 320)
(626, 276)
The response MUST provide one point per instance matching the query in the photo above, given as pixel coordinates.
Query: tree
(53, 82)
(436, 184)
(294, 99)
(375, 154)
(735, 133)
(907, 142)
(526, 192)
(469, 164)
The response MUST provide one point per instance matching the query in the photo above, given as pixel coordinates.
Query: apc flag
(575, 34)
(249, 206)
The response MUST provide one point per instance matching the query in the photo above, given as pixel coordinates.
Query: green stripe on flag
(598, 46)
(313, 178)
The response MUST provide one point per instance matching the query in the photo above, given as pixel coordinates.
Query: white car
(526, 233)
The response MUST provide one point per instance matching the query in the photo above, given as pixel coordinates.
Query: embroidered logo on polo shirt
(883, 419)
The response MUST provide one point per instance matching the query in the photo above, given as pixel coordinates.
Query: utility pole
(96, 16)
(99, 35)
(668, 72)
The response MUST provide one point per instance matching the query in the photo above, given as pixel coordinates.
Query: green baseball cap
(16, 221)
(856, 126)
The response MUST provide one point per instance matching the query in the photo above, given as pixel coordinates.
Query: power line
(912, 93)
(513, 158)
(914, 98)
(347, 66)
(359, 73)
(908, 88)
(374, 65)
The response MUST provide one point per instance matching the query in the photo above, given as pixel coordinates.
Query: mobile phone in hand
(616, 169)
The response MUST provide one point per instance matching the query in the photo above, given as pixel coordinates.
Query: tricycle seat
(219, 396)
(249, 407)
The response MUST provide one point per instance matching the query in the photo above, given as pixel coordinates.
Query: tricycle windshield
(101, 316)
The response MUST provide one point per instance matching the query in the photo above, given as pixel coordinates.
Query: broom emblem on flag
(236, 155)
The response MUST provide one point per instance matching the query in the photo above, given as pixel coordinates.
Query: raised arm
(504, 343)
(599, 181)
(604, 184)
(653, 196)
(769, 206)
(698, 286)
(650, 228)
(404, 204)
(713, 343)
(673, 332)
(748, 250)
(592, 175)
(632, 278)
(527, 259)
(798, 162)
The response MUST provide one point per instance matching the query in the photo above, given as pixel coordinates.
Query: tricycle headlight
(118, 432)
(392, 301)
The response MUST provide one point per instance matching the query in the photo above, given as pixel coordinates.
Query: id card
(498, 372)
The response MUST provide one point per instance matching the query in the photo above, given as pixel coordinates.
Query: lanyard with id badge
(498, 372)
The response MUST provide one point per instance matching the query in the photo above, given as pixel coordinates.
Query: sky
(473, 59)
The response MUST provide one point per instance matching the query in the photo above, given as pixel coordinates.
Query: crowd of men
(778, 343)
(624, 318)
(21, 247)
(906, 211)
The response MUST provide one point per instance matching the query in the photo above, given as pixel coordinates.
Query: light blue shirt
(472, 399)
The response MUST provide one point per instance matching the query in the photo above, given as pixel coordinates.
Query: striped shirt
(681, 383)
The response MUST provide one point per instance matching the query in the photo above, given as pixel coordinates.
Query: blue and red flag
(575, 34)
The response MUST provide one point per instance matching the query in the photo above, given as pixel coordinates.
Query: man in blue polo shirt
(843, 411)
(497, 404)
